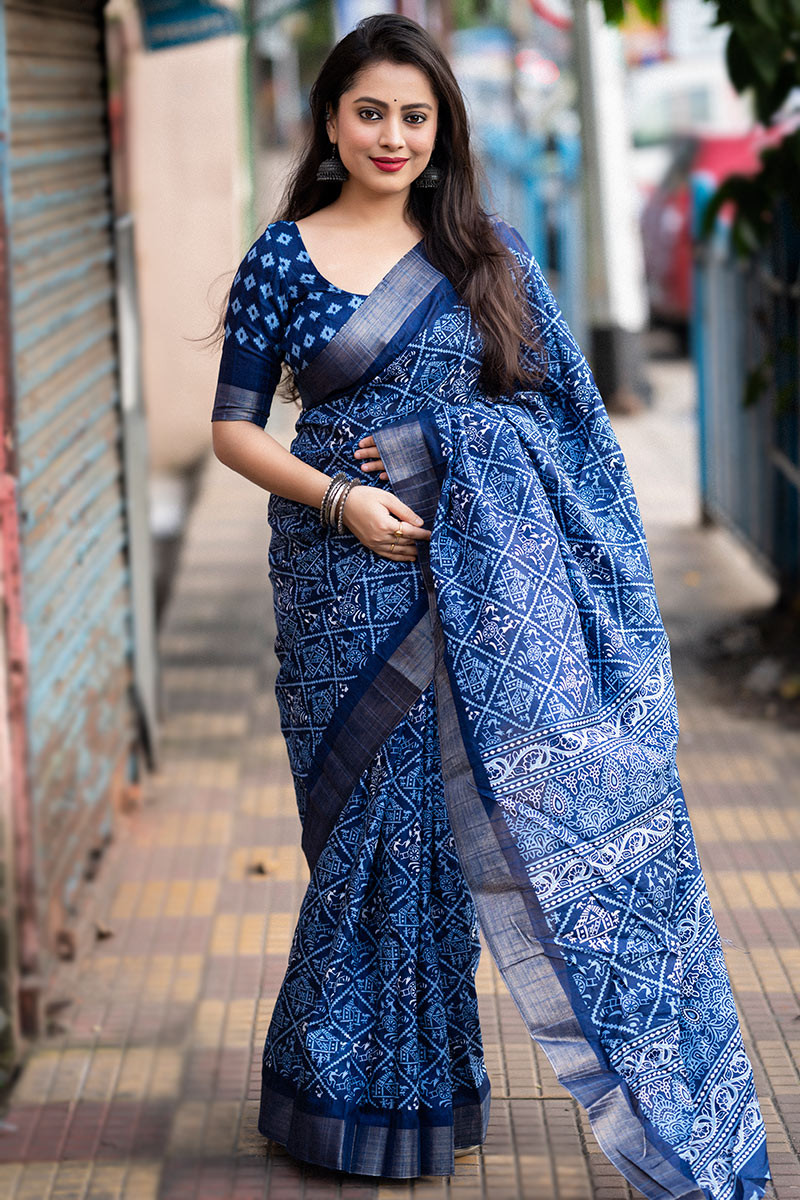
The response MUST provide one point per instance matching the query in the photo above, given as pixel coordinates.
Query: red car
(666, 229)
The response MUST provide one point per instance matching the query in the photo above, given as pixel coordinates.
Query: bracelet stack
(331, 509)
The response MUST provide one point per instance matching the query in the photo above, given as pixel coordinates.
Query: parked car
(681, 95)
(666, 216)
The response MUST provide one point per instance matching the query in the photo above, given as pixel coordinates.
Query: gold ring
(399, 531)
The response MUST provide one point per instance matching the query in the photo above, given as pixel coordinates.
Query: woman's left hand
(369, 451)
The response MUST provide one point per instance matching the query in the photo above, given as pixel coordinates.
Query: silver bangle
(325, 504)
(351, 483)
(322, 502)
(333, 503)
(336, 503)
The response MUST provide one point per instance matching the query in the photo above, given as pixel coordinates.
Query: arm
(249, 370)
(258, 456)
(371, 514)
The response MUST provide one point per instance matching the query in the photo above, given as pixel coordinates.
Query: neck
(370, 209)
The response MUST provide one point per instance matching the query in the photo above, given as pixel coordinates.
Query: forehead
(392, 81)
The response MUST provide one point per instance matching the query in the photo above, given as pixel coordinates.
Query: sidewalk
(148, 1087)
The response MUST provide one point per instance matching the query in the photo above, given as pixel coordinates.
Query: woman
(474, 680)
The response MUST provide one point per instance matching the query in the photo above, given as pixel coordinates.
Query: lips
(389, 164)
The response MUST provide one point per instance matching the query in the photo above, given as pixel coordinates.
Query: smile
(389, 164)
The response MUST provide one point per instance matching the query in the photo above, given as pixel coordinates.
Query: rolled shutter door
(67, 423)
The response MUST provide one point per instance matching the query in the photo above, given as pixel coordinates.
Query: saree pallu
(520, 674)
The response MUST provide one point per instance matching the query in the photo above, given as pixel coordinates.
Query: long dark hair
(459, 237)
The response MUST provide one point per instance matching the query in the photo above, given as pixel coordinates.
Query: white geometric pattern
(560, 662)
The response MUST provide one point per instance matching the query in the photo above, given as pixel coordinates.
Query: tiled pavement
(149, 1090)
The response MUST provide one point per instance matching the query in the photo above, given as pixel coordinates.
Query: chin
(384, 183)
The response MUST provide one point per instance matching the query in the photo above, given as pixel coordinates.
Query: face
(385, 126)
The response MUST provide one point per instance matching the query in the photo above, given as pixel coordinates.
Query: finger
(412, 533)
(383, 475)
(406, 533)
(403, 513)
(366, 452)
(373, 465)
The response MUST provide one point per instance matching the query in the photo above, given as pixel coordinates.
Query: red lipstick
(389, 164)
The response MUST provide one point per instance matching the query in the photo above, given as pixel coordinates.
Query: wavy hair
(458, 234)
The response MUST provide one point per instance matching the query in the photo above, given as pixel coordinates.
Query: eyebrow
(383, 104)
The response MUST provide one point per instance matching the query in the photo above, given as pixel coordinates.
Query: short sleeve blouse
(280, 309)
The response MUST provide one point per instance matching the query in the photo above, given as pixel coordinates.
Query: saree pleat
(380, 982)
(488, 736)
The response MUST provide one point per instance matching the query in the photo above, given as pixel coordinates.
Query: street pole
(615, 302)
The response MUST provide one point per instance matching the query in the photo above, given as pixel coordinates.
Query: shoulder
(273, 252)
(280, 237)
(267, 270)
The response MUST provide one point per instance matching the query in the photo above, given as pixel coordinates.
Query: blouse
(280, 309)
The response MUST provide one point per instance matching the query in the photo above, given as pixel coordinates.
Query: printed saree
(518, 676)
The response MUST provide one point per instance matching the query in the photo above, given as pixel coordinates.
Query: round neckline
(335, 286)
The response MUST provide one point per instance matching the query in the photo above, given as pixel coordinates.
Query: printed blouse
(280, 309)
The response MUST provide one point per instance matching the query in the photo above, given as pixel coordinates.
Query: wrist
(337, 519)
(332, 506)
(321, 486)
(341, 511)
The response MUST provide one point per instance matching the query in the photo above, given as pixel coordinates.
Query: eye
(373, 111)
(417, 118)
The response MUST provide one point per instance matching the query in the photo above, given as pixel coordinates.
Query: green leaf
(727, 10)
(614, 11)
(763, 55)
(740, 67)
(769, 100)
(764, 49)
(764, 10)
(763, 103)
(743, 193)
(746, 237)
(711, 212)
(651, 10)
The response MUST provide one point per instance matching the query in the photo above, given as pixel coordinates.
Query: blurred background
(144, 146)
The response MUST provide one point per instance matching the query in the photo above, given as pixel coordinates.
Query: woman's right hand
(372, 514)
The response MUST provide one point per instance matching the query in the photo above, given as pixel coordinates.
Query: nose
(392, 132)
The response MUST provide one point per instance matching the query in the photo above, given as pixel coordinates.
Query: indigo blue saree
(481, 739)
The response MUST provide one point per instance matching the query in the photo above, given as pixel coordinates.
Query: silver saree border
(366, 334)
(508, 910)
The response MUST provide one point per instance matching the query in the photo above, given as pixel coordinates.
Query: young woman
(474, 680)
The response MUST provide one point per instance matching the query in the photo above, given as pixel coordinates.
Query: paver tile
(151, 1090)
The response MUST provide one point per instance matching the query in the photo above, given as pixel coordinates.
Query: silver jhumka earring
(332, 170)
(431, 177)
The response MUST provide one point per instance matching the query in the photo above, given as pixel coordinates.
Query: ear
(330, 126)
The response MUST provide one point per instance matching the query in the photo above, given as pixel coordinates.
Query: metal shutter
(67, 422)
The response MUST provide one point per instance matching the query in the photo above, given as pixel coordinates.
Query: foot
(466, 1150)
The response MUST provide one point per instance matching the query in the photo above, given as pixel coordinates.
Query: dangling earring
(332, 170)
(431, 177)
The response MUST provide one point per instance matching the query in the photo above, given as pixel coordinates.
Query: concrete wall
(188, 185)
